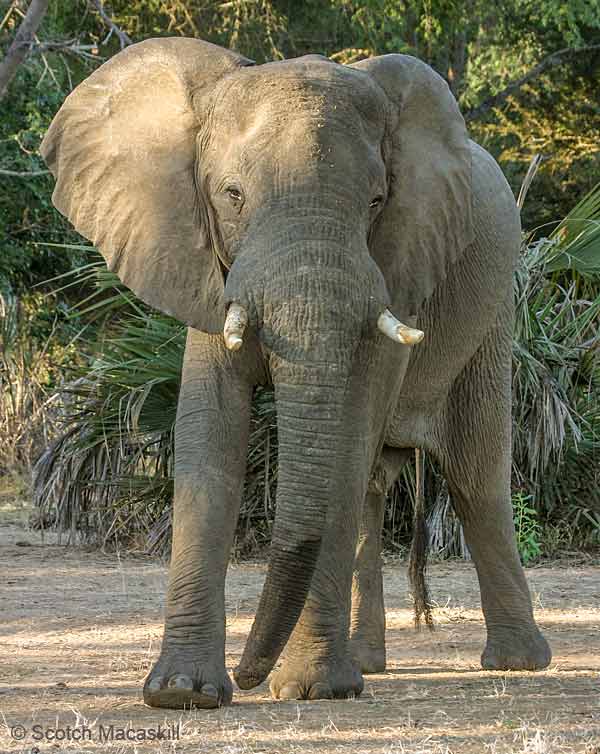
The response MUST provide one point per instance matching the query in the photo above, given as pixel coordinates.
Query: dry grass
(26, 401)
(82, 628)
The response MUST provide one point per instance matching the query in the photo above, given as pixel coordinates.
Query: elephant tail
(417, 563)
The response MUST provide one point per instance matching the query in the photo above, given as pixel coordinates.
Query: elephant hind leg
(475, 455)
(367, 625)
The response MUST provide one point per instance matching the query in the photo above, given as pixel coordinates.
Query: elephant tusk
(394, 329)
(235, 324)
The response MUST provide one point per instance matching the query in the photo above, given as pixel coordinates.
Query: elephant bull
(330, 230)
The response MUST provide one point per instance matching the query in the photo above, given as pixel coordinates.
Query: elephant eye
(234, 194)
(376, 202)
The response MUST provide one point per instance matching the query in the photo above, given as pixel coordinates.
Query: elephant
(331, 231)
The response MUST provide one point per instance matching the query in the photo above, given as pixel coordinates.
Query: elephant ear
(427, 220)
(123, 150)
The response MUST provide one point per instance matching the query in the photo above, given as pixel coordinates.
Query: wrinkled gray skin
(316, 195)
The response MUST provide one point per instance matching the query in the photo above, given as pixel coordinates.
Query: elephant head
(312, 200)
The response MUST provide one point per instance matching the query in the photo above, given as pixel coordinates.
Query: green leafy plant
(527, 527)
(575, 243)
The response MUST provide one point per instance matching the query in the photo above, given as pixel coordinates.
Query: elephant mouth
(237, 318)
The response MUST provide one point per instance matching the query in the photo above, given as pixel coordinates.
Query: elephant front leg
(210, 454)
(476, 460)
(317, 663)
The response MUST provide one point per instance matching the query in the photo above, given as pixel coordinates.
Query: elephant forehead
(309, 90)
(304, 119)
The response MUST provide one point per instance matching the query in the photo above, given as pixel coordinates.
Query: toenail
(320, 691)
(209, 690)
(181, 682)
(290, 691)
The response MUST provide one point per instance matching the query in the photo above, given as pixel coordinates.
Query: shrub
(109, 475)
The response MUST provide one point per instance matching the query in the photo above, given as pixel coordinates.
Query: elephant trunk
(310, 448)
(314, 318)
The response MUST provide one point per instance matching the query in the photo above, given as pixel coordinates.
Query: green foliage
(113, 465)
(252, 27)
(555, 117)
(110, 473)
(527, 528)
(27, 216)
(477, 46)
(108, 476)
(575, 242)
(111, 470)
(556, 373)
(33, 356)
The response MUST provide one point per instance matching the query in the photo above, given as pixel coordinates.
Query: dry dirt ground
(81, 628)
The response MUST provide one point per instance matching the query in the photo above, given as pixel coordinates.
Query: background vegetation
(92, 387)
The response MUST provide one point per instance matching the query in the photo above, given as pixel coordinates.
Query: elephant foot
(369, 657)
(179, 683)
(333, 679)
(516, 649)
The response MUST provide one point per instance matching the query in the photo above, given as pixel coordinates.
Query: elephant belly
(412, 421)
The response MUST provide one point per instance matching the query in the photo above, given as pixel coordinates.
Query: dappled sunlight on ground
(82, 628)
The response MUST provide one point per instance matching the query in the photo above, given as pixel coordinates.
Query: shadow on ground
(81, 629)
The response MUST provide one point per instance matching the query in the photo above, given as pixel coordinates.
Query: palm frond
(575, 242)
(109, 475)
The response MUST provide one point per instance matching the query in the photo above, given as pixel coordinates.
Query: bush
(31, 362)
(109, 475)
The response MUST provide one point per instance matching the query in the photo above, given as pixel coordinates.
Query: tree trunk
(22, 42)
